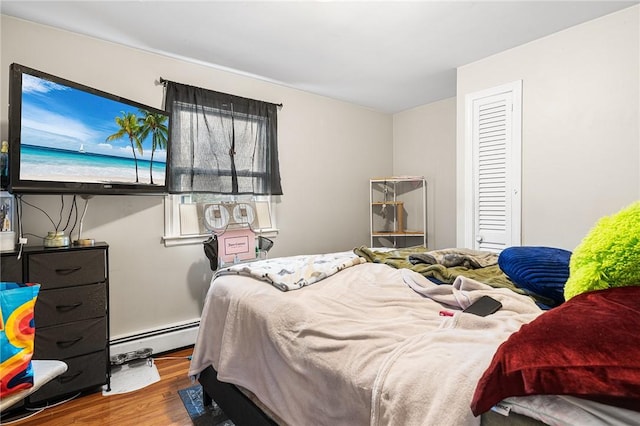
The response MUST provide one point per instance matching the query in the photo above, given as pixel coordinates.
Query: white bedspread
(360, 347)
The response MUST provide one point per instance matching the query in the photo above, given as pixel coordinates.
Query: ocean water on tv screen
(51, 164)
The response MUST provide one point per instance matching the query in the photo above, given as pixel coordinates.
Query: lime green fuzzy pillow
(609, 256)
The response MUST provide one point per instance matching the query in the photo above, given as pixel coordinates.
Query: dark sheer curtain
(221, 143)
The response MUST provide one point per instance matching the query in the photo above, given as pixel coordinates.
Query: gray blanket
(472, 259)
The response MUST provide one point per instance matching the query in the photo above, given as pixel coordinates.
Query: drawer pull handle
(69, 378)
(68, 343)
(68, 307)
(67, 271)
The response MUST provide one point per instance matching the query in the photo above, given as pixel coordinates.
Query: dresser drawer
(11, 269)
(71, 339)
(70, 304)
(65, 269)
(84, 372)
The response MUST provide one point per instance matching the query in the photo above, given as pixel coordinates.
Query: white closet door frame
(493, 168)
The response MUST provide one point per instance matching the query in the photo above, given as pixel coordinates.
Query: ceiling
(385, 55)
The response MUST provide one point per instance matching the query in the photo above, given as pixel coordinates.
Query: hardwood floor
(157, 404)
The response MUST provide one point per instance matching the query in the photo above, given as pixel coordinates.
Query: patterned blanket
(295, 272)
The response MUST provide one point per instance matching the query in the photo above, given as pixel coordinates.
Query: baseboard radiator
(159, 340)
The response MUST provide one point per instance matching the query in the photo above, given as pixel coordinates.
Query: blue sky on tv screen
(62, 117)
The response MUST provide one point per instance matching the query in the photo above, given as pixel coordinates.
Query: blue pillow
(540, 270)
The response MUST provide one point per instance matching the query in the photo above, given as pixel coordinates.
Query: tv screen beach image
(73, 135)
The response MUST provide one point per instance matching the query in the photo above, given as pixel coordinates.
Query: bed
(369, 337)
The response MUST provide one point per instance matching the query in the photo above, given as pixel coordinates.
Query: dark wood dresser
(71, 313)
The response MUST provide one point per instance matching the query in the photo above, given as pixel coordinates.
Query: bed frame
(240, 409)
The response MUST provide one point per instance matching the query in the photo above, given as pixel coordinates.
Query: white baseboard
(160, 340)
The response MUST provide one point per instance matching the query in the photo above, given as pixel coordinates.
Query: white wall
(328, 152)
(424, 145)
(581, 125)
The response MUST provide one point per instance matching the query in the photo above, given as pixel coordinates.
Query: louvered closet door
(496, 170)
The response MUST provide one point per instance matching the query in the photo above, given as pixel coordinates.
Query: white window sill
(182, 240)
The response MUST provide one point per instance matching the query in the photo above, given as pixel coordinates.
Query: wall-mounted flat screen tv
(65, 137)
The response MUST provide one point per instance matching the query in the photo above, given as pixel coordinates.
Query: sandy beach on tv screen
(142, 179)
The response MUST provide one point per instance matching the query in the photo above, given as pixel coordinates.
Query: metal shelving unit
(398, 213)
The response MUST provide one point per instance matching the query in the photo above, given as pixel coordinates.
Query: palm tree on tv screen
(154, 124)
(129, 127)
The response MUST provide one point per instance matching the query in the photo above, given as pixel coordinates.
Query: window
(184, 223)
(223, 149)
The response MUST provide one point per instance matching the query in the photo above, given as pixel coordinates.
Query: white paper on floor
(130, 377)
